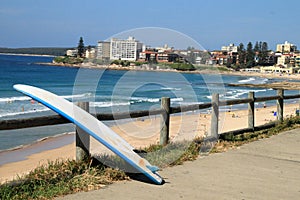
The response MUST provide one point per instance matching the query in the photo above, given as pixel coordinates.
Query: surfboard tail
(152, 168)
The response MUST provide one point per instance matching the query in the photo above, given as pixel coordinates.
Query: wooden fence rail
(165, 111)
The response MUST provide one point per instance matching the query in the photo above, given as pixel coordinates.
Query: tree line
(55, 51)
(250, 56)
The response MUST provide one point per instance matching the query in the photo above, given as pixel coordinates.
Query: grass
(238, 140)
(60, 178)
(65, 177)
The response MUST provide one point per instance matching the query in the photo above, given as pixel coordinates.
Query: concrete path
(266, 169)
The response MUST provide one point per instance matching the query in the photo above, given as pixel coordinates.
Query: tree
(257, 47)
(257, 52)
(250, 56)
(263, 54)
(241, 55)
(229, 62)
(80, 48)
(264, 49)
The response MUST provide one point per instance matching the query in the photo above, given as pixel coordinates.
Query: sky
(209, 23)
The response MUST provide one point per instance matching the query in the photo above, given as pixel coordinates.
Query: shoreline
(20, 153)
(205, 71)
(138, 132)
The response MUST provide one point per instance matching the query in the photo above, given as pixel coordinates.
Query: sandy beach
(264, 75)
(139, 133)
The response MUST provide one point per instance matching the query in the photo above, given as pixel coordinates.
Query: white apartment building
(286, 47)
(121, 49)
(230, 48)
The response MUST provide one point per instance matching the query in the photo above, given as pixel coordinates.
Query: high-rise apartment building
(121, 49)
(286, 48)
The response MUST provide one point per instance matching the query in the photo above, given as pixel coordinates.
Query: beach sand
(139, 133)
(264, 75)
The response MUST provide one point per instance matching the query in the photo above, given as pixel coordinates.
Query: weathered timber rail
(165, 111)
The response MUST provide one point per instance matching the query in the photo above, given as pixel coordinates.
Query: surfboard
(93, 127)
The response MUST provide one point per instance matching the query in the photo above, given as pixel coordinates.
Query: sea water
(108, 91)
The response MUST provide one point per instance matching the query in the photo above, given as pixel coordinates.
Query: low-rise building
(152, 55)
(72, 52)
(90, 53)
(279, 69)
(219, 57)
(253, 69)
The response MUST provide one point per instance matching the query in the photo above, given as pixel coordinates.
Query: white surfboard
(94, 127)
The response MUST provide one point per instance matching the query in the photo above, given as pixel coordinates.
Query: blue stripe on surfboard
(152, 168)
(116, 151)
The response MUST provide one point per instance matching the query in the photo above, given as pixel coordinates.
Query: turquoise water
(106, 90)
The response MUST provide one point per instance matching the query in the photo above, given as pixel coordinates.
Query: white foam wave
(263, 90)
(177, 99)
(238, 93)
(23, 112)
(108, 104)
(145, 99)
(246, 80)
(170, 88)
(235, 94)
(265, 80)
(254, 80)
(77, 96)
(190, 103)
(132, 100)
(25, 98)
(12, 99)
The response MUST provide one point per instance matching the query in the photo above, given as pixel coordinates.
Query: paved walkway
(265, 169)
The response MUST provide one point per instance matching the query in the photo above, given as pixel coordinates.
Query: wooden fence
(165, 111)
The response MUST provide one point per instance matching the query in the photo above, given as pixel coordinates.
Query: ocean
(106, 90)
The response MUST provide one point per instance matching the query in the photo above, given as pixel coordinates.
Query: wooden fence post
(280, 93)
(251, 111)
(215, 116)
(165, 121)
(82, 138)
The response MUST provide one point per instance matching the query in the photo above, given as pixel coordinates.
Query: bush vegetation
(182, 66)
(68, 60)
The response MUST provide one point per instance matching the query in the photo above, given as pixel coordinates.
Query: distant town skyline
(211, 24)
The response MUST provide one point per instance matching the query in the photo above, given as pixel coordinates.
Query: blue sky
(60, 23)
